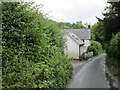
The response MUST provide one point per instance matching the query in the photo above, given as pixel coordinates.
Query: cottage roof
(83, 34)
(75, 38)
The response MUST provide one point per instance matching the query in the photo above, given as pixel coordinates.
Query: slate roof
(75, 38)
(83, 34)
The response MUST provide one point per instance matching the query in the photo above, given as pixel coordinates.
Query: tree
(65, 25)
(112, 36)
(77, 26)
(111, 21)
(97, 32)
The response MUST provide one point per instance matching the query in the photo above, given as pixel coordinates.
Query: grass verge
(113, 64)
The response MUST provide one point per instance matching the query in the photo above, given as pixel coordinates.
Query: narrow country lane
(91, 75)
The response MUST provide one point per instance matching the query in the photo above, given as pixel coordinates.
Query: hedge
(114, 47)
(33, 49)
(113, 54)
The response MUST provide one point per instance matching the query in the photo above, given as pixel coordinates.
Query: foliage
(97, 32)
(111, 38)
(87, 55)
(111, 19)
(113, 65)
(92, 49)
(67, 25)
(77, 26)
(114, 48)
(96, 47)
(106, 28)
(33, 49)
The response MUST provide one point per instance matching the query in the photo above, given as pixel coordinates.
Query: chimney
(79, 22)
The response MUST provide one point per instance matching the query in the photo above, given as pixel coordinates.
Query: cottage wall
(72, 48)
(84, 47)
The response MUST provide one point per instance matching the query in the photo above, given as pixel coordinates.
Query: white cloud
(73, 10)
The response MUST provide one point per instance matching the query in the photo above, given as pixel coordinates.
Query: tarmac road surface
(91, 74)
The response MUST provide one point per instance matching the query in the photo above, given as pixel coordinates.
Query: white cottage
(78, 41)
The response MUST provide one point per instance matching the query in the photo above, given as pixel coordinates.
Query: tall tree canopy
(97, 32)
(111, 21)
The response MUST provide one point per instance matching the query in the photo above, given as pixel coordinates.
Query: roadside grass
(0, 78)
(113, 64)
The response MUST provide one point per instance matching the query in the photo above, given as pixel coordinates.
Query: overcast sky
(73, 10)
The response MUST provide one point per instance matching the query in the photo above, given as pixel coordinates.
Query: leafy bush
(33, 49)
(92, 49)
(95, 47)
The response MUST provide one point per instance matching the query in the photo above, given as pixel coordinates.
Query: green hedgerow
(113, 54)
(114, 48)
(33, 49)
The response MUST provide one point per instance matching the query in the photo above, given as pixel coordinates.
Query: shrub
(33, 48)
(92, 49)
(95, 47)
